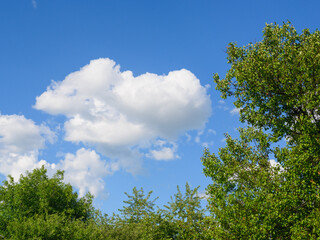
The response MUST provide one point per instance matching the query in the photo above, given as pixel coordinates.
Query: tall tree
(138, 219)
(138, 206)
(276, 86)
(185, 212)
(186, 207)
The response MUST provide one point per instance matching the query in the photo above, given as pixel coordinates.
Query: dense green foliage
(276, 84)
(36, 193)
(276, 81)
(40, 207)
(46, 208)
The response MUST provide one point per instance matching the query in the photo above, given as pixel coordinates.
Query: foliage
(40, 207)
(276, 85)
(54, 226)
(186, 213)
(181, 218)
(152, 226)
(186, 208)
(243, 185)
(138, 205)
(139, 219)
(276, 81)
(36, 198)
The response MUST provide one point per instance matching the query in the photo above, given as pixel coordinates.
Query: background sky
(120, 93)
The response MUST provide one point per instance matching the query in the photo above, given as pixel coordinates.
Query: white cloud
(235, 111)
(200, 133)
(129, 159)
(222, 105)
(121, 114)
(164, 152)
(85, 170)
(197, 138)
(20, 142)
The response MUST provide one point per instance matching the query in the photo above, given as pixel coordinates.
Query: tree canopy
(39, 206)
(275, 84)
(36, 193)
(276, 81)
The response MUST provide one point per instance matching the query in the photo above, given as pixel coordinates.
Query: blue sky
(120, 93)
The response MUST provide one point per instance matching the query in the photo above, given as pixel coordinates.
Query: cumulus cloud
(85, 170)
(166, 151)
(20, 142)
(122, 115)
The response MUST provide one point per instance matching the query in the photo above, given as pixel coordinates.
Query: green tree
(244, 184)
(186, 213)
(182, 217)
(138, 217)
(275, 83)
(186, 207)
(53, 227)
(138, 206)
(38, 198)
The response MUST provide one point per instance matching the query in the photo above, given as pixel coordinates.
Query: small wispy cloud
(34, 4)
(222, 105)
(197, 139)
(212, 131)
(207, 144)
(235, 111)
